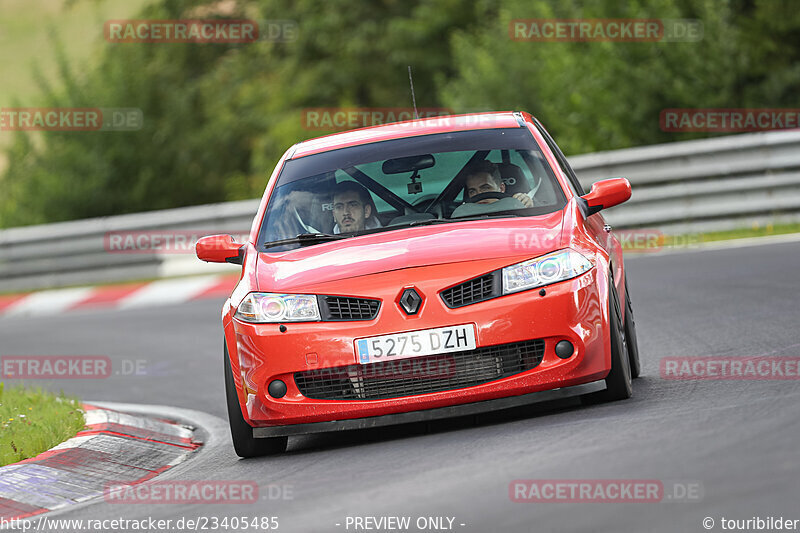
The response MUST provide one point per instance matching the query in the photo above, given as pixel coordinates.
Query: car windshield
(391, 185)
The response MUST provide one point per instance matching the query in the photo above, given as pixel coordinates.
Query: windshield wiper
(449, 220)
(499, 214)
(306, 238)
(316, 238)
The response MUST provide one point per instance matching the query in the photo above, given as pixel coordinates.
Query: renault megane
(420, 270)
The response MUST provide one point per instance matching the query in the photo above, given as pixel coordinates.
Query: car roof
(409, 128)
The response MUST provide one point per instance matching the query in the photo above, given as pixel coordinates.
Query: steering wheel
(497, 195)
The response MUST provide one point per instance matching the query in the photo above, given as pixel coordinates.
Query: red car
(421, 270)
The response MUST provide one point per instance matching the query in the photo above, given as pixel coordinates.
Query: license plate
(415, 343)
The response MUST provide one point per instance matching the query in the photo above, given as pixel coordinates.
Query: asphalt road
(738, 440)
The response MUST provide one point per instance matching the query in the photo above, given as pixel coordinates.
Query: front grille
(344, 308)
(472, 291)
(420, 375)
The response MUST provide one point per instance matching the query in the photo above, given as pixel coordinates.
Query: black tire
(630, 335)
(618, 381)
(241, 432)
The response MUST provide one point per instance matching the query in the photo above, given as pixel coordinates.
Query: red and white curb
(127, 296)
(114, 448)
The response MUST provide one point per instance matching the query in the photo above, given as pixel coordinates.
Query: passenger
(353, 208)
(485, 177)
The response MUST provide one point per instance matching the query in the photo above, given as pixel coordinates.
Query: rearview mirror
(605, 194)
(412, 163)
(220, 249)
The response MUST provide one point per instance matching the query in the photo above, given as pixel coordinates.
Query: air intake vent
(420, 375)
(473, 291)
(345, 308)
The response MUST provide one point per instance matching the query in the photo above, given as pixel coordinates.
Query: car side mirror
(220, 249)
(605, 194)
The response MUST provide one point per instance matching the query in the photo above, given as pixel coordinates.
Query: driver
(484, 177)
(353, 208)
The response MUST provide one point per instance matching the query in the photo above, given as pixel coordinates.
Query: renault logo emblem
(410, 301)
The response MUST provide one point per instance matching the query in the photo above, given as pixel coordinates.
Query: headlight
(550, 268)
(268, 307)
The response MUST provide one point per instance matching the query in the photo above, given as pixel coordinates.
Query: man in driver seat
(353, 208)
(484, 177)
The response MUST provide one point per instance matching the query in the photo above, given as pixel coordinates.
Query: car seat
(514, 178)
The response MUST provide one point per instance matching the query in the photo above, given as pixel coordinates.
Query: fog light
(564, 349)
(277, 389)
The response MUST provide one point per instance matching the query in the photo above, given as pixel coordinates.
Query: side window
(545, 189)
(577, 188)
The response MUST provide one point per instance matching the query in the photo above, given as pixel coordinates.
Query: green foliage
(218, 116)
(33, 421)
(605, 95)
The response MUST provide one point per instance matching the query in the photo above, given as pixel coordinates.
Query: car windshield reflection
(352, 192)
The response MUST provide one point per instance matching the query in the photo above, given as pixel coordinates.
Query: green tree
(598, 95)
(218, 116)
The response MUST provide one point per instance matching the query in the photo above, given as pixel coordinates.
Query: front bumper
(572, 310)
(431, 414)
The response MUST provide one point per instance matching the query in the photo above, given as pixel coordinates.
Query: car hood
(521, 237)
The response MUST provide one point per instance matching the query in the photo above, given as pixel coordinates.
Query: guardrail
(683, 187)
(79, 252)
(706, 185)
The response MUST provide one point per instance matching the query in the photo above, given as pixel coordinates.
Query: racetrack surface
(738, 439)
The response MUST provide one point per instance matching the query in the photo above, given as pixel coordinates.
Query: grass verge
(754, 231)
(644, 240)
(33, 421)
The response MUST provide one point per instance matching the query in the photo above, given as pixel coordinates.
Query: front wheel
(242, 433)
(630, 335)
(618, 381)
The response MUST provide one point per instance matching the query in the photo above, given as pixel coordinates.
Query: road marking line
(49, 302)
(168, 292)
